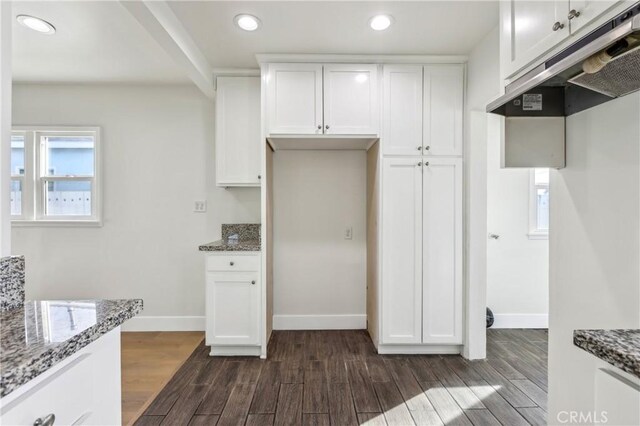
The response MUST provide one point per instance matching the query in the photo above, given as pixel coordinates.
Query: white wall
(483, 84)
(319, 276)
(158, 157)
(517, 267)
(594, 244)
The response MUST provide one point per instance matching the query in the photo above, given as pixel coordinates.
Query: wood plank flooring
(336, 378)
(149, 360)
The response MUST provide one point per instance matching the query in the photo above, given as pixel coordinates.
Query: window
(539, 204)
(55, 176)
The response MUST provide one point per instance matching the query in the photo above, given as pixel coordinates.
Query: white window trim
(534, 233)
(33, 211)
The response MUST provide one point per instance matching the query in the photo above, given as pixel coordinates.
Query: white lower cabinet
(83, 389)
(421, 298)
(233, 304)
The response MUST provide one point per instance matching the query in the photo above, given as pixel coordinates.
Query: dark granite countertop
(620, 348)
(236, 237)
(231, 245)
(28, 349)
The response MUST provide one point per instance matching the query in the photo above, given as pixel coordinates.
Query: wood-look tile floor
(149, 360)
(336, 378)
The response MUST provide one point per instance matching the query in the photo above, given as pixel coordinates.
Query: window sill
(538, 235)
(56, 223)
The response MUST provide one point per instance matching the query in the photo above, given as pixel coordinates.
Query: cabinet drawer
(68, 394)
(231, 263)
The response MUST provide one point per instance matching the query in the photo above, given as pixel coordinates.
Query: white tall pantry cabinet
(410, 118)
(421, 207)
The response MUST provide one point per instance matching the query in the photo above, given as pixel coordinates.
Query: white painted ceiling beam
(165, 27)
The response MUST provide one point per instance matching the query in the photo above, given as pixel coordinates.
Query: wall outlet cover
(200, 206)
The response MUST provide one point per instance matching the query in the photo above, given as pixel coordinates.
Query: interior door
(402, 110)
(294, 98)
(401, 320)
(351, 99)
(233, 308)
(442, 251)
(443, 100)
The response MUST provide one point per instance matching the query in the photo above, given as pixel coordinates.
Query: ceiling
(102, 42)
(94, 42)
(444, 27)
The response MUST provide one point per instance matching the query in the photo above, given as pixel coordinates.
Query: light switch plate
(348, 233)
(200, 206)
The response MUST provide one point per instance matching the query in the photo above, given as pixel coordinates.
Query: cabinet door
(294, 99)
(401, 250)
(442, 251)
(351, 99)
(233, 308)
(443, 98)
(238, 131)
(402, 110)
(588, 11)
(528, 30)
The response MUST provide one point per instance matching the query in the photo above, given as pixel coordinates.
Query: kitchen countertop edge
(29, 369)
(220, 245)
(620, 348)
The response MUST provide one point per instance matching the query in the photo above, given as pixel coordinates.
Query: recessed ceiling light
(380, 22)
(247, 22)
(36, 24)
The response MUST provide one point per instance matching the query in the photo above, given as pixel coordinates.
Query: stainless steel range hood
(560, 87)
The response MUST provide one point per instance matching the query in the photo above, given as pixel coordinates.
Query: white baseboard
(148, 323)
(419, 349)
(319, 322)
(520, 321)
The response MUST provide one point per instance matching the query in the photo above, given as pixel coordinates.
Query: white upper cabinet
(402, 110)
(294, 99)
(531, 28)
(442, 251)
(316, 99)
(443, 103)
(401, 296)
(238, 131)
(583, 12)
(350, 99)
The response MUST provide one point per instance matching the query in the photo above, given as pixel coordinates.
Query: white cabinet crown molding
(266, 58)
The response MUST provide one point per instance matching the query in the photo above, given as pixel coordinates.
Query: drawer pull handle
(231, 263)
(253, 282)
(45, 421)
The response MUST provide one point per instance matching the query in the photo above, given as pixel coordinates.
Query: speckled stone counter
(40, 334)
(11, 282)
(236, 237)
(620, 348)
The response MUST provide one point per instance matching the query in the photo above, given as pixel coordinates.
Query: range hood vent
(600, 67)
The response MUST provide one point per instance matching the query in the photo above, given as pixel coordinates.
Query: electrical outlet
(200, 206)
(348, 233)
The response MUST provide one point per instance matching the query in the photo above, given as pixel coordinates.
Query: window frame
(33, 193)
(534, 232)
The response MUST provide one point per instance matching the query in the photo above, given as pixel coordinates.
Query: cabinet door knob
(326, 127)
(231, 263)
(319, 127)
(427, 148)
(557, 26)
(573, 14)
(426, 163)
(419, 148)
(259, 176)
(419, 163)
(45, 421)
(253, 281)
